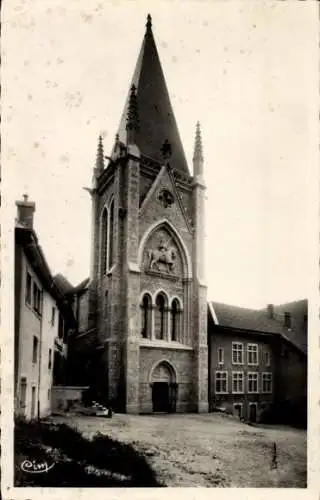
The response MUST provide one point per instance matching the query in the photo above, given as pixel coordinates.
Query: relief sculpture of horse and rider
(162, 255)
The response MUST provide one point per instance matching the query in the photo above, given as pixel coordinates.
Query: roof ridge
(235, 306)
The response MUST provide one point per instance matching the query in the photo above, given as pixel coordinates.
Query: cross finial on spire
(149, 24)
(198, 151)
(100, 155)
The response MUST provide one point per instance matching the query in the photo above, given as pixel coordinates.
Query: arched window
(159, 319)
(107, 238)
(146, 308)
(175, 320)
(104, 241)
(111, 235)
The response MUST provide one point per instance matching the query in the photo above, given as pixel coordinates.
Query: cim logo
(34, 467)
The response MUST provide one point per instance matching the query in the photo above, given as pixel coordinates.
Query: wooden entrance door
(160, 397)
(253, 413)
(173, 394)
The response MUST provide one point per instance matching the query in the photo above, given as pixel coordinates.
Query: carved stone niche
(162, 256)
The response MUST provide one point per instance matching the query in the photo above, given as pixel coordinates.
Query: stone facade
(147, 297)
(153, 254)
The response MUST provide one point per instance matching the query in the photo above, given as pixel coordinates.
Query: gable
(164, 200)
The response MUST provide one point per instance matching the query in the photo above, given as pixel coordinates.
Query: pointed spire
(100, 155)
(156, 117)
(198, 152)
(132, 125)
(149, 25)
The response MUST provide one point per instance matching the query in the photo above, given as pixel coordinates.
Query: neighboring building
(146, 336)
(292, 375)
(67, 325)
(258, 361)
(38, 305)
(80, 351)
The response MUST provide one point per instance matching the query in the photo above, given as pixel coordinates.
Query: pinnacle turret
(198, 152)
(132, 125)
(100, 155)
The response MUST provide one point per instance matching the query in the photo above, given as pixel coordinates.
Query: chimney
(26, 210)
(287, 320)
(270, 310)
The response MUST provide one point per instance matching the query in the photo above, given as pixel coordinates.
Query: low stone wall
(64, 397)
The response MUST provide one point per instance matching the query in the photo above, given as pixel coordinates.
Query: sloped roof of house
(299, 321)
(82, 286)
(67, 288)
(27, 238)
(258, 320)
(62, 283)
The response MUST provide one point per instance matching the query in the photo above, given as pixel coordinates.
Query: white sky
(247, 71)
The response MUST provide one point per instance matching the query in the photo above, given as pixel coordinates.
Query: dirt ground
(211, 450)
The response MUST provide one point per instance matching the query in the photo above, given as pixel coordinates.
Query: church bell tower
(148, 304)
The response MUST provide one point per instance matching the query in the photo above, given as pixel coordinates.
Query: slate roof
(258, 320)
(156, 119)
(63, 283)
(299, 313)
(82, 286)
(28, 239)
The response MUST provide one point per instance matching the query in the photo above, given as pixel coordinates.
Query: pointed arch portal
(164, 388)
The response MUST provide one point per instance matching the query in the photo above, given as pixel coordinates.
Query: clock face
(166, 198)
